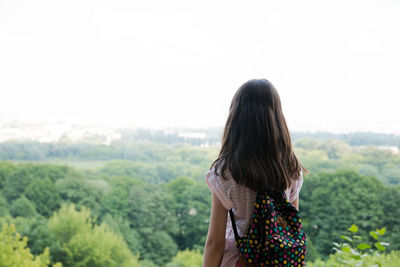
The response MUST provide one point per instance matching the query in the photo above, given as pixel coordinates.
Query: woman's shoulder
(215, 176)
(225, 187)
(296, 187)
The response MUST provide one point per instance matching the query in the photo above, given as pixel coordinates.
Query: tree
(155, 227)
(16, 183)
(13, 251)
(331, 201)
(335, 148)
(389, 200)
(22, 207)
(122, 228)
(73, 188)
(3, 206)
(84, 243)
(156, 199)
(158, 246)
(37, 231)
(54, 172)
(187, 258)
(308, 143)
(116, 203)
(43, 193)
(191, 205)
(6, 168)
(99, 247)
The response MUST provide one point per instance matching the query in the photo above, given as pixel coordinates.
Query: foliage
(122, 227)
(157, 246)
(191, 205)
(187, 258)
(73, 189)
(312, 253)
(16, 183)
(84, 243)
(99, 247)
(43, 193)
(37, 231)
(22, 207)
(3, 206)
(353, 139)
(389, 200)
(354, 253)
(385, 260)
(6, 168)
(123, 149)
(14, 251)
(152, 196)
(330, 201)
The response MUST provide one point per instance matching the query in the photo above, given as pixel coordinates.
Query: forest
(142, 200)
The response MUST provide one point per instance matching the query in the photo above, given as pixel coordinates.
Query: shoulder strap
(233, 224)
(282, 195)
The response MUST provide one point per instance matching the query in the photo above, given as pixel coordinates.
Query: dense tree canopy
(150, 203)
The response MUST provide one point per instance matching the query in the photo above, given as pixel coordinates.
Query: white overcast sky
(336, 64)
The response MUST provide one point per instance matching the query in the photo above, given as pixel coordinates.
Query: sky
(156, 63)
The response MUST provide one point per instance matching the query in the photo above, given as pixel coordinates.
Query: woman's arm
(215, 244)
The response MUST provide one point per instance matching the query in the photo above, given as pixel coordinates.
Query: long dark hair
(256, 146)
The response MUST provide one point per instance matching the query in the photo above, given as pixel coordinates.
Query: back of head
(256, 146)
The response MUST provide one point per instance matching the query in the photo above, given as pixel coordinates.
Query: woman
(256, 154)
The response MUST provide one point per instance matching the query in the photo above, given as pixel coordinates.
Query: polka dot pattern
(274, 236)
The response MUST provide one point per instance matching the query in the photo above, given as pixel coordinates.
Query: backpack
(274, 236)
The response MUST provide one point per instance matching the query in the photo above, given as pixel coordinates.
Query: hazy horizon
(159, 64)
(92, 126)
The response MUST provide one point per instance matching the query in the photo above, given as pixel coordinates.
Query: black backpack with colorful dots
(274, 236)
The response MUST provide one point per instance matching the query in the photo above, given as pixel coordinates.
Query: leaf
(385, 244)
(379, 246)
(355, 252)
(346, 238)
(374, 235)
(353, 229)
(346, 249)
(381, 231)
(357, 237)
(356, 257)
(363, 246)
(345, 261)
(336, 244)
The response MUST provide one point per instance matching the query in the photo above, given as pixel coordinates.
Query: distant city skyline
(178, 63)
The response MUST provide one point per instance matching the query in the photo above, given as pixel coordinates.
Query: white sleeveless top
(241, 200)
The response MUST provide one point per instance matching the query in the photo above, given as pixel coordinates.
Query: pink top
(241, 199)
